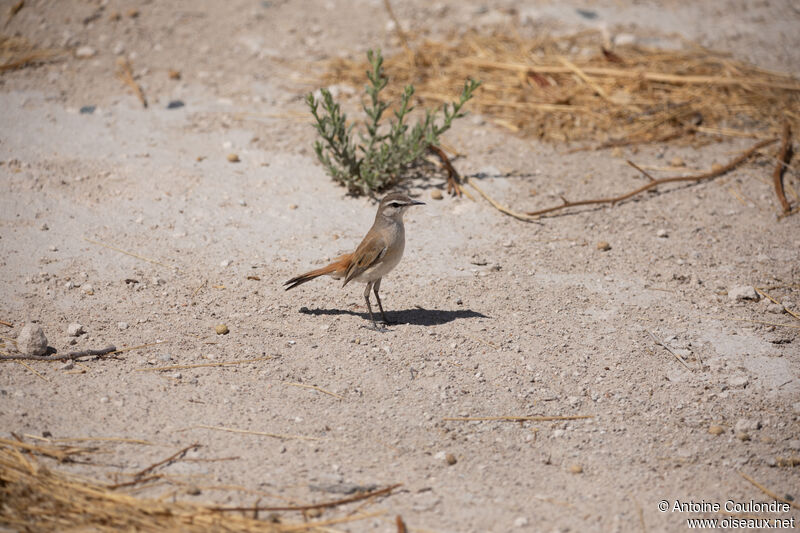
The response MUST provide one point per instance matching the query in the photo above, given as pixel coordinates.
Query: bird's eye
(394, 204)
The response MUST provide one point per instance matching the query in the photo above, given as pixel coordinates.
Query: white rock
(742, 292)
(75, 330)
(521, 522)
(31, 340)
(662, 233)
(737, 382)
(747, 424)
(122, 325)
(226, 263)
(87, 288)
(85, 52)
(622, 39)
(104, 399)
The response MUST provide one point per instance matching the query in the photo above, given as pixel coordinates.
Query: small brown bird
(379, 252)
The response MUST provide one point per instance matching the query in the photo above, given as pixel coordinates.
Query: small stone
(177, 375)
(436, 194)
(176, 104)
(662, 233)
(716, 167)
(715, 429)
(174, 74)
(85, 52)
(521, 522)
(119, 49)
(742, 292)
(603, 246)
(233, 158)
(104, 399)
(451, 459)
(165, 357)
(87, 288)
(87, 109)
(677, 162)
(747, 424)
(31, 340)
(742, 436)
(243, 202)
(794, 444)
(122, 325)
(292, 206)
(221, 329)
(575, 469)
(193, 491)
(738, 382)
(44, 227)
(776, 309)
(226, 263)
(69, 365)
(75, 330)
(617, 152)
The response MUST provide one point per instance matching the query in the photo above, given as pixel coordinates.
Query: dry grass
(569, 88)
(17, 52)
(35, 497)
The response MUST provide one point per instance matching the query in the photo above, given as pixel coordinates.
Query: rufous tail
(336, 269)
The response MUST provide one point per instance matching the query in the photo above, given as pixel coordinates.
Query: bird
(379, 252)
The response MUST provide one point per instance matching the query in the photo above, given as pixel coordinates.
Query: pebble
(451, 459)
(521, 522)
(747, 424)
(122, 325)
(226, 263)
(794, 444)
(776, 309)
(221, 329)
(176, 104)
(738, 382)
(69, 365)
(742, 292)
(436, 194)
(677, 162)
(165, 357)
(177, 375)
(87, 109)
(44, 227)
(119, 49)
(742, 436)
(603, 246)
(662, 233)
(716, 167)
(716, 430)
(575, 469)
(292, 206)
(31, 340)
(87, 288)
(75, 330)
(104, 399)
(85, 52)
(233, 158)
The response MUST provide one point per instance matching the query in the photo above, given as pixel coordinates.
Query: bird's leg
(375, 288)
(369, 306)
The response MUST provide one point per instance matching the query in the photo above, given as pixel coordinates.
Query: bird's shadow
(416, 317)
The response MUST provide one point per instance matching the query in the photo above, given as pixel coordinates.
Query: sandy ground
(495, 316)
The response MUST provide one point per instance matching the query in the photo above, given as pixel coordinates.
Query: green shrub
(380, 156)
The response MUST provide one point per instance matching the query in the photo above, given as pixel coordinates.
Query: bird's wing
(369, 252)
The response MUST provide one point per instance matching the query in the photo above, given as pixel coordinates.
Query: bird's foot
(375, 327)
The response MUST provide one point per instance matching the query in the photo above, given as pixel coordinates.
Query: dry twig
(175, 456)
(308, 507)
(516, 418)
(137, 256)
(784, 156)
(248, 432)
(60, 357)
(202, 365)
(314, 387)
(741, 158)
(768, 492)
(125, 74)
(661, 343)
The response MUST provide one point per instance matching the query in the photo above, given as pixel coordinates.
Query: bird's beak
(414, 202)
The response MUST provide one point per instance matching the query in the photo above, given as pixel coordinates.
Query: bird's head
(394, 205)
